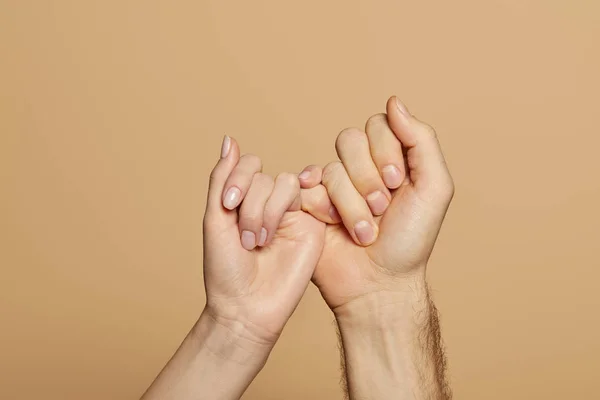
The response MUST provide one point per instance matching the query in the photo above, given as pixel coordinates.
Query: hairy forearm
(392, 346)
(217, 360)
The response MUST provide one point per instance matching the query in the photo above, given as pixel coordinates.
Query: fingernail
(391, 176)
(232, 198)
(263, 237)
(248, 240)
(378, 203)
(401, 107)
(334, 214)
(304, 175)
(364, 232)
(225, 147)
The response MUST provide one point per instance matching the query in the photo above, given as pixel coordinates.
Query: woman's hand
(260, 248)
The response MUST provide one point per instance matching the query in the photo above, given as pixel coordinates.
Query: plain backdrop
(111, 118)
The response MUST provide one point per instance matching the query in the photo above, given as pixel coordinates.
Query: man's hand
(260, 251)
(391, 190)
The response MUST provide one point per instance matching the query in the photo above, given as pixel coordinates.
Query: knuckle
(377, 120)
(349, 136)
(289, 180)
(252, 160)
(262, 179)
(331, 171)
(332, 181)
(428, 130)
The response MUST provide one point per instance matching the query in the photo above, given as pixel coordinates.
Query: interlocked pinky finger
(317, 203)
(310, 177)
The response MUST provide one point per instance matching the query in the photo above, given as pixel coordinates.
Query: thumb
(426, 163)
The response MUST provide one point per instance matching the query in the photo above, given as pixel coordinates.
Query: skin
(251, 290)
(390, 191)
(260, 286)
(409, 210)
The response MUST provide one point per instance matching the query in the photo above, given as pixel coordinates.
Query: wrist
(400, 303)
(216, 360)
(391, 343)
(230, 341)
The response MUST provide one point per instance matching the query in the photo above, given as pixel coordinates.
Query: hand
(391, 190)
(260, 249)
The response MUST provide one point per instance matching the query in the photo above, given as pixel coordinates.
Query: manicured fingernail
(401, 107)
(378, 203)
(248, 240)
(304, 175)
(225, 147)
(263, 237)
(334, 214)
(364, 232)
(232, 198)
(391, 176)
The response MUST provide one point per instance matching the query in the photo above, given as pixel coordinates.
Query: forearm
(217, 360)
(392, 346)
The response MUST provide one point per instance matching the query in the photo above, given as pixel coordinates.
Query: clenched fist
(391, 189)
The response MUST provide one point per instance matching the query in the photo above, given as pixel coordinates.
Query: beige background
(112, 114)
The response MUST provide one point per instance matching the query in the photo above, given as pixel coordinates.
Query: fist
(391, 190)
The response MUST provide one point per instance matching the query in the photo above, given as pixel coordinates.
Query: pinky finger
(317, 203)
